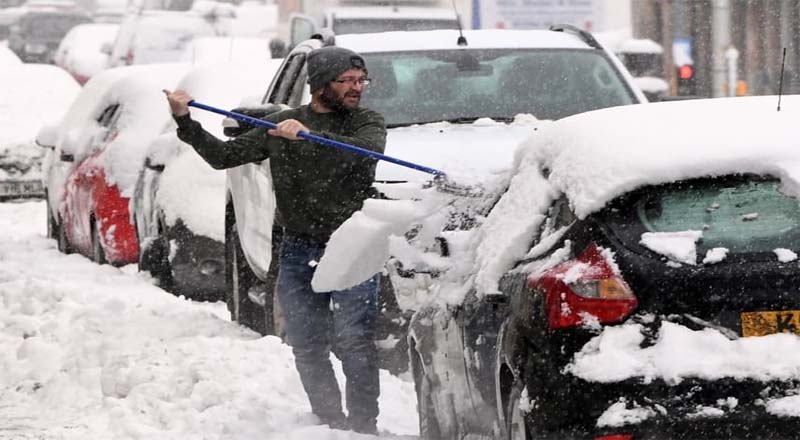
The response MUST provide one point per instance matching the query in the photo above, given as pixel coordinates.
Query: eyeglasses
(350, 81)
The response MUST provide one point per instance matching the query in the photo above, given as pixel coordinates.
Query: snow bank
(98, 352)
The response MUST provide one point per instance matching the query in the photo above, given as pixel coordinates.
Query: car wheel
(516, 426)
(240, 280)
(63, 242)
(154, 258)
(428, 422)
(52, 225)
(98, 253)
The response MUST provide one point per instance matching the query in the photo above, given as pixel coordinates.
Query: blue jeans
(317, 322)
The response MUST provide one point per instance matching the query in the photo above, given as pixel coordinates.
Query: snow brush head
(447, 186)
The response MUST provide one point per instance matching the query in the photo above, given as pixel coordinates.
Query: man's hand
(288, 129)
(178, 101)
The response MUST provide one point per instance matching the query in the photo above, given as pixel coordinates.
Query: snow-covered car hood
(478, 150)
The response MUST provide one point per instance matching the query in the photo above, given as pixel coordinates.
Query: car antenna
(780, 84)
(462, 40)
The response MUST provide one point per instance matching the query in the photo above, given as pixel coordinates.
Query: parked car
(8, 16)
(370, 19)
(100, 150)
(644, 60)
(35, 35)
(33, 94)
(178, 204)
(624, 285)
(460, 109)
(80, 51)
(155, 36)
(213, 50)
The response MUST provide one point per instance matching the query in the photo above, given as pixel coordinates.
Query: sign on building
(540, 14)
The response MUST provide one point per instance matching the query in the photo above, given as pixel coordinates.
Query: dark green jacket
(317, 187)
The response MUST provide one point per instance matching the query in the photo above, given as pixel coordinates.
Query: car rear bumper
(692, 409)
(198, 264)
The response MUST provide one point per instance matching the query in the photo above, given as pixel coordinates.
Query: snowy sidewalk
(98, 352)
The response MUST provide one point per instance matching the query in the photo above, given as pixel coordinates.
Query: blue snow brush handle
(439, 175)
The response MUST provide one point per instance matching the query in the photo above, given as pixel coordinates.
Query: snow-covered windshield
(463, 85)
(370, 25)
(744, 215)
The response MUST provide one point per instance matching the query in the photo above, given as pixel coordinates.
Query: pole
(721, 35)
(321, 140)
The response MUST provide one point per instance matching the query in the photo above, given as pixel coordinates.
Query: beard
(336, 102)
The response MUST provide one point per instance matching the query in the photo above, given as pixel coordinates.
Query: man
(317, 188)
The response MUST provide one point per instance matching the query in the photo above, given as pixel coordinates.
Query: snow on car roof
(392, 12)
(145, 113)
(596, 156)
(188, 183)
(447, 39)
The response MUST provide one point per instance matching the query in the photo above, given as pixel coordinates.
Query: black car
(36, 34)
(515, 364)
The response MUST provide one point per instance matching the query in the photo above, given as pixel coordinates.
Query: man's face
(344, 92)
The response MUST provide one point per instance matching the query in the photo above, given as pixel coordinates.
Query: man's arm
(251, 146)
(369, 132)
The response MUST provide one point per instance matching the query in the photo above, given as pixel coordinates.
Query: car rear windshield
(746, 215)
(369, 25)
(464, 84)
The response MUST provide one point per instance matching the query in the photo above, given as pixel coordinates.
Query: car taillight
(583, 290)
(615, 437)
(129, 57)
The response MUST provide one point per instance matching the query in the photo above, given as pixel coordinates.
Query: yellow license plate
(768, 323)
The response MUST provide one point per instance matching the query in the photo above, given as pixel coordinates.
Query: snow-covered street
(98, 352)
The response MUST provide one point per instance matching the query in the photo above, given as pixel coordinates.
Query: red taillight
(686, 71)
(129, 57)
(584, 290)
(81, 78)
(615, 437)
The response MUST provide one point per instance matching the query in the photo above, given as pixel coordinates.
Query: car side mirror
(67, 157)
(47, 136)
(277, 48)
(233, 128)
(150, 164)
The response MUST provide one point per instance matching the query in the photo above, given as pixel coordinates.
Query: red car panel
(88, 196)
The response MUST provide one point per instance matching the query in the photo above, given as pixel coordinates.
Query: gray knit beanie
(326, 63)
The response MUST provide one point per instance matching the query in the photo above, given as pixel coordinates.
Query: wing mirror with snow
(47, 136)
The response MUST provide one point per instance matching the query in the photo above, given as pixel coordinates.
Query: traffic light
(686, 83)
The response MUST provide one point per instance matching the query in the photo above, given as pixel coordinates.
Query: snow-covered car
(34, 94)
(98, 149)
(212, 50)
(178, 204)
(370, 19)
(80, 51)
(155, 36)
(35, 35)
(644, 59)
(625, 285)
(7, 18)
(461, 109)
